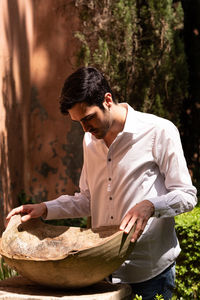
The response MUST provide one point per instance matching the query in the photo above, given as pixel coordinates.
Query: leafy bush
(5, 270)
(158, 297)
(75, 222)
(187, 268)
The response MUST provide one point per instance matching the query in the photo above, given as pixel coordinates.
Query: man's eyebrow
(87, 117)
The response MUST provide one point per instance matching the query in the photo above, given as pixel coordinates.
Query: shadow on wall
(40, 150)
(55, 144)
(15, 91)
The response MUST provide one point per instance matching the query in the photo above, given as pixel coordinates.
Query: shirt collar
(130, 124)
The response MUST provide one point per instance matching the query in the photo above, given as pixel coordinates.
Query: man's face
(93, 119)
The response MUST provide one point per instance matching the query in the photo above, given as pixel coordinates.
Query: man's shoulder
(153, 120)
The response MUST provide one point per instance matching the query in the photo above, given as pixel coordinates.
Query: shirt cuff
(49, 205)
(162, 209)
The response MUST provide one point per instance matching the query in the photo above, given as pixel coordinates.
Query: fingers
(15, 211)
(140, 225)
(127, 223)
(23, 209)
(29, 211)
(138, 215)
(25, 218)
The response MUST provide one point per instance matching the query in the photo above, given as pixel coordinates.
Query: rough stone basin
(60, 256)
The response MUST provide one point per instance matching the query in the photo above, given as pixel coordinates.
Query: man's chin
(97, 135)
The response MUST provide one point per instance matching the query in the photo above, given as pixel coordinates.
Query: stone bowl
(63, 257)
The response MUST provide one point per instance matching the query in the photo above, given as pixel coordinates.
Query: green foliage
(24, 199)
(187, 268)
(158, 297)
(76, 222)
(137, 297)
(5, 270)
(137, 45)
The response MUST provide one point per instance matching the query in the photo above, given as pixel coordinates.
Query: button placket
(110, 178)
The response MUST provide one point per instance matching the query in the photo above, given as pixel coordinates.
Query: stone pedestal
(19, 288)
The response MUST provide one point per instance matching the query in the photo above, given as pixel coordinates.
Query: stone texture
(19, 288)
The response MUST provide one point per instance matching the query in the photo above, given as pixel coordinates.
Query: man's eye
(89, 118)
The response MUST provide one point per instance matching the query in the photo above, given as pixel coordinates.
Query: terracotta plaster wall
(40, 150)
(15, 51)
(55, 149)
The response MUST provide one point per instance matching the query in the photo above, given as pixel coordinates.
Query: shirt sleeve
(67, 206)
(169, 156)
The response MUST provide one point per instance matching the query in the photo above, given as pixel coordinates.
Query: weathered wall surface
(40, 152)
(54, 149)
(15, 51)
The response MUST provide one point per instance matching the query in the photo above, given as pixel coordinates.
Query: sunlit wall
(40, 150)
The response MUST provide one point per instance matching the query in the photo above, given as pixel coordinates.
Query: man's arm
(66, 206)
(181, 196)
(63, 207)
(169, 156)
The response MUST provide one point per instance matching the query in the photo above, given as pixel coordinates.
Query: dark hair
(88, 85)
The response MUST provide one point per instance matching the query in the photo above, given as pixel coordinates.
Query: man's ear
(108, 101)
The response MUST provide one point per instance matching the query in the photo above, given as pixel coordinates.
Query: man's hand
(29, 211)
(138, 215)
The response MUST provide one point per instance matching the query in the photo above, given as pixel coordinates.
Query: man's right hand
(29, 211)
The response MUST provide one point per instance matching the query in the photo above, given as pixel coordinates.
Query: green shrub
(187, 268)
(75, 222)
(158, 297)
(5, 270)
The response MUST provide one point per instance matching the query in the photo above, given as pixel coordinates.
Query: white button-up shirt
(144, 162)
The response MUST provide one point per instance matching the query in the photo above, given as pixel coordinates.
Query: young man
(134, 172)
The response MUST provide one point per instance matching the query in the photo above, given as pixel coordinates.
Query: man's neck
(119, 113)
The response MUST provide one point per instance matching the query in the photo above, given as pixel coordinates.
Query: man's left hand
(138, 215)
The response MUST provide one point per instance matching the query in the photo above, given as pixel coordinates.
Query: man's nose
(85, 126)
